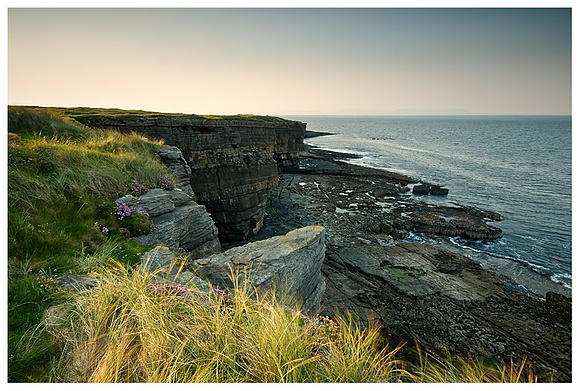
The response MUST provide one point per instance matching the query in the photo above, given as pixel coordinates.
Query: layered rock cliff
(234, 162)
(179, 222)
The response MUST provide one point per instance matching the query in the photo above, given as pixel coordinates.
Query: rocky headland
(262, 186)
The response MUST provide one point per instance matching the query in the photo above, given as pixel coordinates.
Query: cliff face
(234, 162)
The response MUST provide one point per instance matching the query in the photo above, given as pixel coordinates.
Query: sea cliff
(234, 161)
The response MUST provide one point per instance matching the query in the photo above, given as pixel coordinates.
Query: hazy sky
(293, 61)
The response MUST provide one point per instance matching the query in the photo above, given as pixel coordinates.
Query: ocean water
(518, 166)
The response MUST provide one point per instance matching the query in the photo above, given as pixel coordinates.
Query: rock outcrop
(234, 162)
(426, 189)
(290, 264)
(446, 301)
(421, 189)
(179, 222)
(162, 262)
(176, 163)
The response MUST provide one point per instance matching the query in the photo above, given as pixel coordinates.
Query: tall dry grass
(132, 328)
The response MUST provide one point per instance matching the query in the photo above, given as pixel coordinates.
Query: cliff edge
(234, 161)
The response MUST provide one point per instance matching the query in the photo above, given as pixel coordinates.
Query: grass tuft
(60, 173)
(132, 329)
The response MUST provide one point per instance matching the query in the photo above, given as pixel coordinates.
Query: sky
(293, 61)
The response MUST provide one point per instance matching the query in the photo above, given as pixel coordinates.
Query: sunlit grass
(450, 369)
(131, 328)
(135, 328)
(91, 113)
(59, 175)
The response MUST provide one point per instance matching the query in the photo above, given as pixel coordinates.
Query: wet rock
(446, 301)
(421, 189)
(446, 221)
(438, 190)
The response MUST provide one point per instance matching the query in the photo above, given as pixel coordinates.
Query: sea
(518, 166)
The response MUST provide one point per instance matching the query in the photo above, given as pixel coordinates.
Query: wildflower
(165, 182)
(138, 188)
(161, 288)
(47, 283)
(101, 228)
(143, 212)
(123, 210)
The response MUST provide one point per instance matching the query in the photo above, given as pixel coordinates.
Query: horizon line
(392, 114)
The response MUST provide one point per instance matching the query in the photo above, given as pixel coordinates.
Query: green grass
(60, 175)
(94, 113)
(63, 178)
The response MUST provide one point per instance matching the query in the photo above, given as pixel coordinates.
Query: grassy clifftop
(89, 112)
(63, 178)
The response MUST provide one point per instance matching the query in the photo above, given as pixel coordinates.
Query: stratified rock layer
(290, 264)
(234, 162)
(179, 222)
(176, 163)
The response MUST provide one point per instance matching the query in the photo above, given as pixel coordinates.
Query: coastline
(431, 293)
(521, 277)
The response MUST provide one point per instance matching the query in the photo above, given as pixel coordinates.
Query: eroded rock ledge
(289, 263)
(443, 299)
(234, 162)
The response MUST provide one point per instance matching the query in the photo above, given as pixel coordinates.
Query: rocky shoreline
(444, 300)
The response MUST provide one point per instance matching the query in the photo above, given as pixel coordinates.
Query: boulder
(421, 190)
(290, 264)
(166, 268)
(178, 221)
(438, 190)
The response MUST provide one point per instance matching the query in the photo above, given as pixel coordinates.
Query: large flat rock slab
(290, 263)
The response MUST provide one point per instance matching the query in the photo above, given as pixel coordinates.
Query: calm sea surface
(518, 166)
